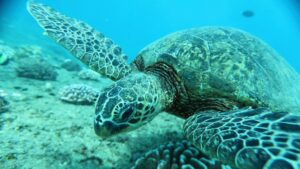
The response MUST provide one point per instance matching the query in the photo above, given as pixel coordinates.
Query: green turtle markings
(233, 89)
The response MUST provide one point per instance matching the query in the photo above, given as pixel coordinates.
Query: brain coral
(78, 94)
(177, 155)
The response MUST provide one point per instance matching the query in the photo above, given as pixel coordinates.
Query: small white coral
(78, 94)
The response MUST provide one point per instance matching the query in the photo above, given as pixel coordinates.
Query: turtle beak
(108, 128)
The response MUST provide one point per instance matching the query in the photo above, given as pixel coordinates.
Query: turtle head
(128, 104)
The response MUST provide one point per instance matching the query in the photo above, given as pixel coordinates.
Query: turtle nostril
(98, 119)
(127, 113)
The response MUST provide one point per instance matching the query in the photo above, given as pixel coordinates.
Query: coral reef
(88, 74)
(4, 104)
(78, 94)
(35, 69)
(70, 65)
(177, 155)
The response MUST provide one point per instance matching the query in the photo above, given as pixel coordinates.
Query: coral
(78, 94)
(70, 65)
(26, 51)
(4, 104)
(88, 74)
(177, 155)
(36, 69)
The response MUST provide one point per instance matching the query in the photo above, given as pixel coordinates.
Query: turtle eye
(127, 113)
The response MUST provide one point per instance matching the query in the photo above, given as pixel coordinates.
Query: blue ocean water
(134, 23)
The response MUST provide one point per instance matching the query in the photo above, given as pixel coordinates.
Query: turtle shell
(225, 68)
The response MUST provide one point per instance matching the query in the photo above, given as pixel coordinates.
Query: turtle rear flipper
(91, 47)
(248, 138)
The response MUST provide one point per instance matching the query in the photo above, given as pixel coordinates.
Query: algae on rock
(36, 69)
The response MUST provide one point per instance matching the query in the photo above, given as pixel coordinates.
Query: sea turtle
(233, 89)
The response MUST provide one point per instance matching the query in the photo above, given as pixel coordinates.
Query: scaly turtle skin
(219, 78)
(247, 138)
(224, 68)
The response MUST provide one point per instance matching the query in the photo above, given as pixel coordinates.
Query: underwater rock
(48, 87)
(177, 155)
(26, 51)
(18, 97)
(78, 94)
(70, 65)
(88, 74)
(35, 69)
(4, 104)
(6, 53)
(3, 59)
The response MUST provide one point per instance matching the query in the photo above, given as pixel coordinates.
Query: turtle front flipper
(248, 138)
(91, 47)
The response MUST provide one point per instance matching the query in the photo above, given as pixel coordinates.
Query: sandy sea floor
(41, 131)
